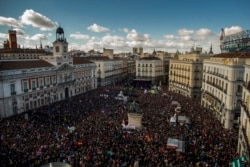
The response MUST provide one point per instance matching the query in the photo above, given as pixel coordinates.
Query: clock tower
(12, 39)
(60, 46)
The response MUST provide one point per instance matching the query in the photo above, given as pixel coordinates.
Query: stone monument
(134, 115)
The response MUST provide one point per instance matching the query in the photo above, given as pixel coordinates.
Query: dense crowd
(86, 131)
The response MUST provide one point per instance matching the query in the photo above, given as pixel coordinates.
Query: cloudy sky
(165, 25)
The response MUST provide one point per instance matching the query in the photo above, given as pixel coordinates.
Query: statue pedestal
(134, 119)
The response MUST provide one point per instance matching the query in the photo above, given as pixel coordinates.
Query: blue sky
(165, 25)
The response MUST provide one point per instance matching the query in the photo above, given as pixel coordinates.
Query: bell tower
(12, 39)
(60, 45)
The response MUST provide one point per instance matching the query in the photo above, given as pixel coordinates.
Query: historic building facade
(244, 127)
(150, 68)
(29, 84)
(185, 73)
(12, 51)
(222, 86)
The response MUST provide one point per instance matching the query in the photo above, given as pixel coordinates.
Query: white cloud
(169, 36)
(97, 28)
(35, 19)
(125, 30)
(79, 36)
(4, 36)
(37, 37)
(134, 36)
(113, 41)
(185, 32)
(232, 30)
(19, 32)
(187, 38)
(9, 21)
(204, 32)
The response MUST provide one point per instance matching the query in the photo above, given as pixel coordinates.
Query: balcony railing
(13, 93)
(67, 82)
(245, 109)
(247, 85)
(26, 90)
(212, 96)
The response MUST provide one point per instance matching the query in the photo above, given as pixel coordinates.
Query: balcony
(34, 88)
(238, 93)
(225, 90)
(67, 82)
(41, 87)
(13, 93)
(212, 96)
(243, 104)
(25, 90)
(247, 85)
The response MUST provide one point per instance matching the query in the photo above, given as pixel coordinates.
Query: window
(60, 78)
(14, 102)
(34, 104)
(14, 109)
(27, 106)
(12, 89)
(25, 86)
(239, 88)
(65, 78)
(47, 81)
(54, 80)
(57, 49)
(41, 82)
(70, 76)
(33, 84)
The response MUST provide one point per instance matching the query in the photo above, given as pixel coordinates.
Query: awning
(239, 162)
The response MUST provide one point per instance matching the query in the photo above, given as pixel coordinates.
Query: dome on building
(59, 30)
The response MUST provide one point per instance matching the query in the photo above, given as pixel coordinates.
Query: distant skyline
(165, 25)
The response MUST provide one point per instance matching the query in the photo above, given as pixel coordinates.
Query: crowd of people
(86, 131)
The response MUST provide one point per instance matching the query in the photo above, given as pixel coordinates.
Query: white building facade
(244, 127)
(109, 71)
(150, 68)
(29, 84)
(222, 86)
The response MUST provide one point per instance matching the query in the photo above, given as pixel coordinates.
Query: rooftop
(23, 64)
(233, 55)
(80, 60)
